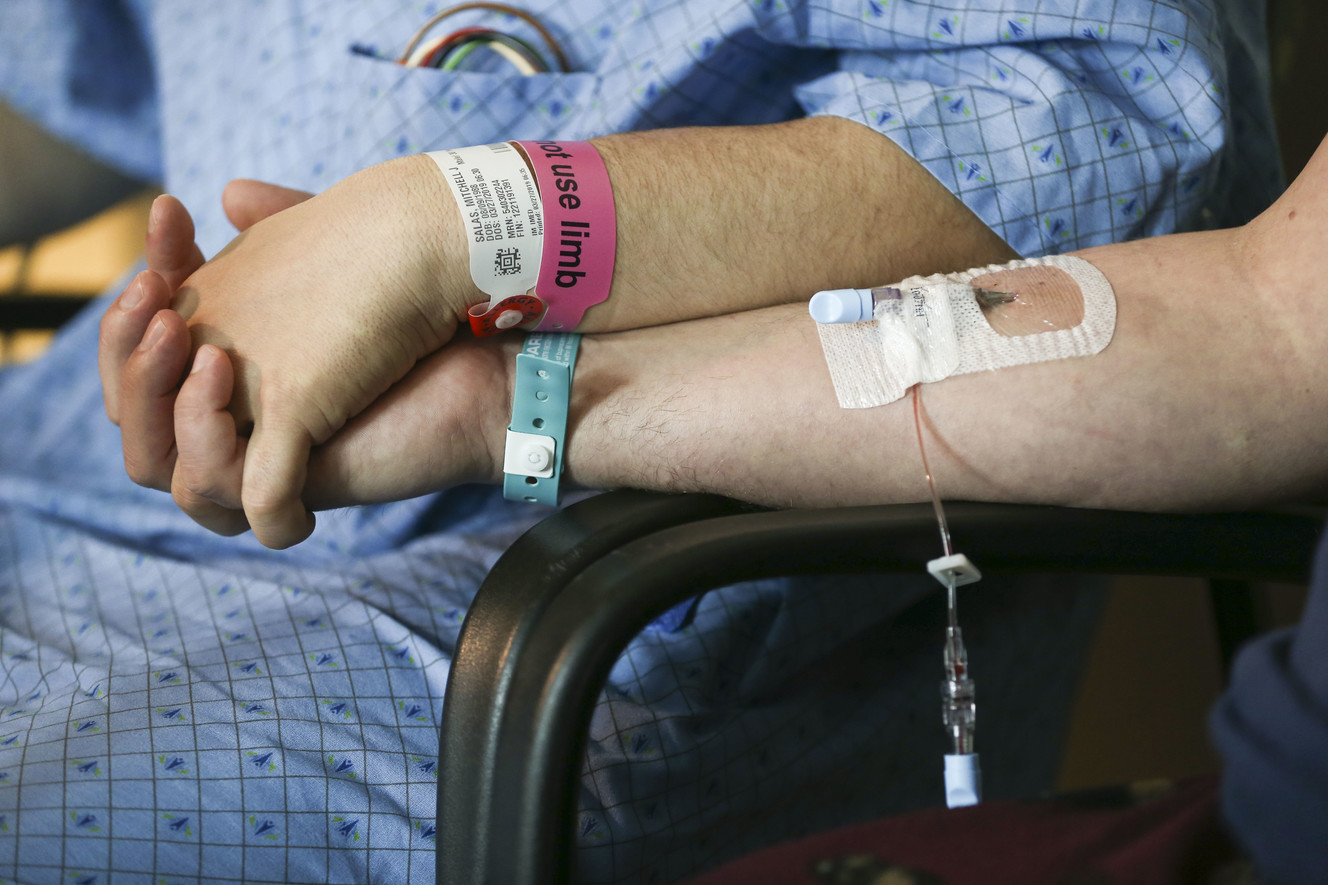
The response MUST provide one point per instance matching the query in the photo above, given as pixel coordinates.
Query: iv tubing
(931, 483)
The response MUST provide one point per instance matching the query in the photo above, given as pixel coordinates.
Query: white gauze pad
(937, 329)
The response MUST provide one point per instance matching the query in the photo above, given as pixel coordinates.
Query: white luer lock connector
(925, 329)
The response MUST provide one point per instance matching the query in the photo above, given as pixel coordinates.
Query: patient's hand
(322, 307)
(371, 460)
(441, 425)
(144, 346)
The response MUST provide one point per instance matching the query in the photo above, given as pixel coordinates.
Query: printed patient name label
(500, 210)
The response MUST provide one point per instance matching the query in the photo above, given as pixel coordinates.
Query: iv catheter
(859, 305)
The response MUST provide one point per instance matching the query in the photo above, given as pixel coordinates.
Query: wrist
(423, 230)
(637, 410)
(495, 421)
(601, 379)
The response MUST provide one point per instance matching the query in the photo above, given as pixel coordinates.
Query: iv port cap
(841, 306)
(963, 780)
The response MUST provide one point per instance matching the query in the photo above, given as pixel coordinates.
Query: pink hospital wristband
(580, 229)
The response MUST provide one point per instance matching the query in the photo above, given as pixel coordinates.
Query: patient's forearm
(1206, 397)
(716, 220)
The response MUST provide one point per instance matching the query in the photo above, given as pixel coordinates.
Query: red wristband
(580, 229)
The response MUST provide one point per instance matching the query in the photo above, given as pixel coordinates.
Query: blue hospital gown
(180, 707)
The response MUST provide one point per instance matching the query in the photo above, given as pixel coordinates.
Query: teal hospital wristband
(536, 438)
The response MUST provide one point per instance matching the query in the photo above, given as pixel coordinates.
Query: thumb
(248, 202)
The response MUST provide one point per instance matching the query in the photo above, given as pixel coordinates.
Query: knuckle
(189, 499)
(143, 472)
(192, 484)
(189, 410)
(202, 486)
(184, 498)
(209, 515)
(265, 503)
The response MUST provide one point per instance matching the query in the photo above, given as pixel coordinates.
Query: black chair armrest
(506, 614)
(553, 616)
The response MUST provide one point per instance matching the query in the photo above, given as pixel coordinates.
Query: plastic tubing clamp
(536, 438)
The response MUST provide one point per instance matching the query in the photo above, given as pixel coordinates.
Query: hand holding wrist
(322, 308)
(442, 425)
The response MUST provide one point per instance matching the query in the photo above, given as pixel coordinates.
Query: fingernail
(133, 294)
(155, 332)
(202, 360)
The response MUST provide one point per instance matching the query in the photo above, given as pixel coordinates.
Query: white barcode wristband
(503, 218)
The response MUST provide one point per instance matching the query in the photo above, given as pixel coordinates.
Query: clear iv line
(963, 778)
(931, 484)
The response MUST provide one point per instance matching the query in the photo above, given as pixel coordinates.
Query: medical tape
(929, 328)
(503, 219)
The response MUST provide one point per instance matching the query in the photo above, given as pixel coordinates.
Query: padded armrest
(553, 616)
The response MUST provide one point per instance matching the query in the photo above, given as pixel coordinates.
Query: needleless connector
(963, 777)
(859, 305)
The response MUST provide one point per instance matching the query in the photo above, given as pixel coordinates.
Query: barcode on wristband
(501, 213)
